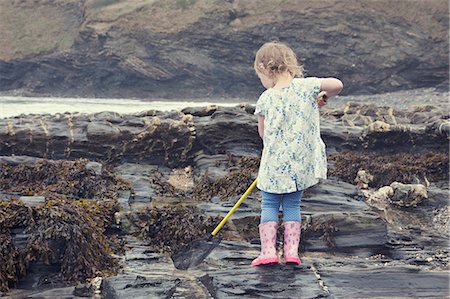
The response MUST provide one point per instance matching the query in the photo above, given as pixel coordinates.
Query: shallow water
(13, 106)
(17, 105)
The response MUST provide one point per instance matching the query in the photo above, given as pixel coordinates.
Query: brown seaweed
(171, 229)
(60, 178)
(236, 182)
(388, 168)
(70, 234)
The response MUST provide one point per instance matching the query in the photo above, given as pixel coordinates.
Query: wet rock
(83, 290)
(200, 111)
(147, 275)
(362, 278)
(362, 233)
(342, 235)
(174, 139)
(164, 139)
(95, 167)
(276, 282)
(147, 182)
(123, 286)
(335, 219)
(212, 167)
(18, 160)
(212, 137)
(32, 201)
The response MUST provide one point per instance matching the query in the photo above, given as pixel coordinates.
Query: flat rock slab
(60, 293)
(139, 176)
(356, 278)
(230, 275)
(278, 281)
(132, 286)
(147, 274)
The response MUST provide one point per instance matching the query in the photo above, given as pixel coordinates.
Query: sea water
(14, 105)
(11, 106)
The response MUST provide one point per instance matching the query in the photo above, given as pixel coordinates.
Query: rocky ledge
(377, 227)
(177, 139)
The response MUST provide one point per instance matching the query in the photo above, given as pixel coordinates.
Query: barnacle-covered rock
(379, 198)
(386, 129)
(397, 194)
(363, 178)
(407, 195)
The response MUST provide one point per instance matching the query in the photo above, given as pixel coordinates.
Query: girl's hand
(322, 98)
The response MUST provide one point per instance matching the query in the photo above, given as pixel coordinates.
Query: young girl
(293, 156)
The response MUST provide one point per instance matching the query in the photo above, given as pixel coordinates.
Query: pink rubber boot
(268, 235)
(291, 241)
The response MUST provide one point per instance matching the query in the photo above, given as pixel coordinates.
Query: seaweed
(388, 168)
(236, 182)
(172, 229)
(69, 234)
(161, 186)
(68, 179)
(10, 266)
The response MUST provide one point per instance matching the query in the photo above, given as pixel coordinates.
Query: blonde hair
(275, 58)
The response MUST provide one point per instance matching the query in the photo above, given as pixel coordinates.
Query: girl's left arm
(261, 126)
(331, 86)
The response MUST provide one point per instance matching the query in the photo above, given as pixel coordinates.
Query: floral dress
(293, 156)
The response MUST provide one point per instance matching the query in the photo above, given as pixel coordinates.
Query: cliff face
(200, 48)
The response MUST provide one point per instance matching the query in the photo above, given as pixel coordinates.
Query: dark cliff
(200, 49)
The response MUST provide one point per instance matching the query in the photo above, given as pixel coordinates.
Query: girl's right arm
(261, 126)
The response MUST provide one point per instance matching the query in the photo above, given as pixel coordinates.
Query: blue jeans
(290, 203)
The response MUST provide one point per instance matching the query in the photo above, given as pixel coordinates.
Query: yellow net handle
(249, 190)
